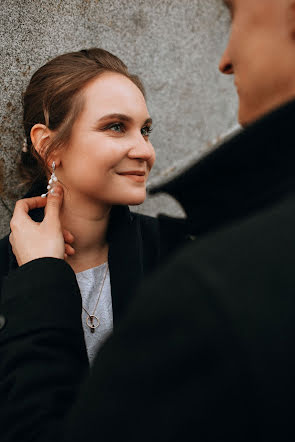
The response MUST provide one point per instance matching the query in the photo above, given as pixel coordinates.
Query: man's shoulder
(244, 271)
(267, 229)
(252, 259)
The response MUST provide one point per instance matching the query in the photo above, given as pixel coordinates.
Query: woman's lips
(138, 177)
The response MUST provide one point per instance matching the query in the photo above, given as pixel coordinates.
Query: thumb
(53, 204)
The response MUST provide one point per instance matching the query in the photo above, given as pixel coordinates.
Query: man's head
(261, 55)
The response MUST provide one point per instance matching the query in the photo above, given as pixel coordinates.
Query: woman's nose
(141, 149)
(225, 64)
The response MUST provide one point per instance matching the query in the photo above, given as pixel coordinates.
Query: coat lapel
(125, 255)
(125, 258)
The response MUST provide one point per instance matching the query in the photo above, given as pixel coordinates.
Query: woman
(87, 130)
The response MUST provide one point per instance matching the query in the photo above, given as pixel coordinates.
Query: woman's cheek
(117, 151)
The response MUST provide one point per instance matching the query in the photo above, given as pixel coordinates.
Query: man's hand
(31, 240)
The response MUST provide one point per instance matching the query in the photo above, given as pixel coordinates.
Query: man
(260, 55)
(206, 351)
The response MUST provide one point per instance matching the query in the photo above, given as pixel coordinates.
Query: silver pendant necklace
(92, 320)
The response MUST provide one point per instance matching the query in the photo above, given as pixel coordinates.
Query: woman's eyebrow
(115, 116)
(121, 117)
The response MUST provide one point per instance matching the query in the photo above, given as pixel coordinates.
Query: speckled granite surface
(174, 45)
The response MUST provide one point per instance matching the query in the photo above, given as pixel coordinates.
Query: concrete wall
(174, 45)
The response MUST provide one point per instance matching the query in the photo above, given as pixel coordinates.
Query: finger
(65, 256)
(11, 240)
(69, 250)
(68, 237)
(53, 204)
(23, 206)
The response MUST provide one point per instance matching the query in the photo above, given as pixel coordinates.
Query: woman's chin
(135, 200)
(134, 196)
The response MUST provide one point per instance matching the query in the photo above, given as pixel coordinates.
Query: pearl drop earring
(52, 181)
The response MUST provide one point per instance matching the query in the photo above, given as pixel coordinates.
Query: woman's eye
(146, 131)
(116, 127)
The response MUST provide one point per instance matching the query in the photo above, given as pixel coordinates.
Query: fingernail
(57, 190)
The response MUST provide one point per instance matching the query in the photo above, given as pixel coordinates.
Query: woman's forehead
(113, 93)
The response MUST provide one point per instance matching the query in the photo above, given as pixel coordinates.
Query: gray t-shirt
(89, 282)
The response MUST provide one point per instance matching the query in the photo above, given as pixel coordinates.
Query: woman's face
(109, 155)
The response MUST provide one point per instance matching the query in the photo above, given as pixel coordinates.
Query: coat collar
(125, 252)
(246, 173)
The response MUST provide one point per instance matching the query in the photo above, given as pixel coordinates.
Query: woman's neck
(88, 223)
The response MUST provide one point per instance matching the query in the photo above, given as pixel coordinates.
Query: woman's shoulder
(146, 219)
(148, 224)
(148, 236)
(149, 228)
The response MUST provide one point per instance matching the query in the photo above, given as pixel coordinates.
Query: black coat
(205, 351)
(135, 249)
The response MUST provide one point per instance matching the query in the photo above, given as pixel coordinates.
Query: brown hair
(53, 97)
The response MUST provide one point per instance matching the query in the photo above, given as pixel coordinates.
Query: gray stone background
(174, 45)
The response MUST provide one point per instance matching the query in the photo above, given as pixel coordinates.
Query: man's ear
(40, 135)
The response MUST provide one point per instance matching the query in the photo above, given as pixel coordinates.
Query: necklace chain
(92, 321)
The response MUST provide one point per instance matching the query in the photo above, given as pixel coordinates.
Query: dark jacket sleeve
(42, 351)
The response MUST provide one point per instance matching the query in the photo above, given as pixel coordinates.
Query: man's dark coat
(206, 349)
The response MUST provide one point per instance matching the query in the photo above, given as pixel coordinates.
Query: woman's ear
(40, 134)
